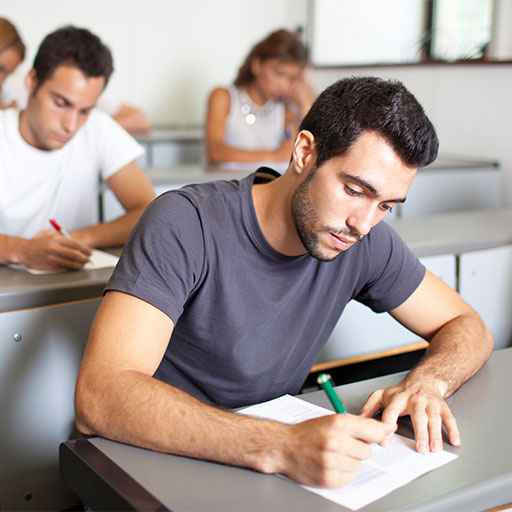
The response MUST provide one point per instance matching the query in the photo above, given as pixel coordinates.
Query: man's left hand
(426, 407)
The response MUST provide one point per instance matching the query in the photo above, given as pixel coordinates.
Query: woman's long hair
(281, 44)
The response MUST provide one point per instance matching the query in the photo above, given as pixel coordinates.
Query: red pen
(57, 226)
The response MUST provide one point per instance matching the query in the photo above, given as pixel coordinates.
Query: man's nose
(70, 121)
(361, 221)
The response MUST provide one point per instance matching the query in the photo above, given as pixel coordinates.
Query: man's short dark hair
(352, 106)
(74, 47)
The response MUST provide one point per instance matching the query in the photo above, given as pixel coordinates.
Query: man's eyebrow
(370, 187)
(68, 103)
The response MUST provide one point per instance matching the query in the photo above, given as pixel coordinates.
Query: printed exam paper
(388, 468)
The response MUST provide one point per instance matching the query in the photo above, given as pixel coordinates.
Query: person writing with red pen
(55, 153)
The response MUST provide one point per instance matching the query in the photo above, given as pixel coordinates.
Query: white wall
(168, 54)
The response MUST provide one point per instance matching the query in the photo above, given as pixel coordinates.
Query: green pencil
(324, 379)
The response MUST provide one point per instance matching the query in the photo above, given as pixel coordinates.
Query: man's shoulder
(9, 121)
(102, 131)
(210, 202)
(204, 193)
(98, 117)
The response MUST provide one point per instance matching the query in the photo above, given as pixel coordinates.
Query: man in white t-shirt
(56, 152)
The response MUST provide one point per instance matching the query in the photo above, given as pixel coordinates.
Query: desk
(456, 232)
(106, 474)
(170, 144)
(44, 323)
(22, 290)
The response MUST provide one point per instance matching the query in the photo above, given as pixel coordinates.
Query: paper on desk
(388, 468)
(99, 259)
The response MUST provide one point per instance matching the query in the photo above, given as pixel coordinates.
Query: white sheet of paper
(99, 259)
(388, 468)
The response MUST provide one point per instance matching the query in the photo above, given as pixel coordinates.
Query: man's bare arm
(134, 191)
(117, 397)
(459, 345)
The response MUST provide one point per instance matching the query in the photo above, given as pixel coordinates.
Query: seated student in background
(227, 291)
(13, 92)
(255, 119)
(12, 53)
(54, 154)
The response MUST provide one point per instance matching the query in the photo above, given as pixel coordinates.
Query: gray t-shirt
(249, 321)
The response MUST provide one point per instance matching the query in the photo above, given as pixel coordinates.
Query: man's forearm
(9, 249)
(144, 411)
(456, 353)
(109, 234)
(134, 408)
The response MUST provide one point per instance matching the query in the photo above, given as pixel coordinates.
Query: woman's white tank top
(252, 127)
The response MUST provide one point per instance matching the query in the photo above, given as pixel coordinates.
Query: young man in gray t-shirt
(226, 292)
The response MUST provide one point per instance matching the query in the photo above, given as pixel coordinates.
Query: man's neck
(272, 204)
(26, 132)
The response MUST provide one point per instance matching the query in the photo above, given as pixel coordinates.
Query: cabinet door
(40, 353)
(485, 282)
(361, 331)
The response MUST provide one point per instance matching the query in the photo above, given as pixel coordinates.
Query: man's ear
(31, 81)
(304, 151)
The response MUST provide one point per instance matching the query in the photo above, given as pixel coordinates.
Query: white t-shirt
(62, 184)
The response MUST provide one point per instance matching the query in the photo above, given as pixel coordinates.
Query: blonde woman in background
(12, 53)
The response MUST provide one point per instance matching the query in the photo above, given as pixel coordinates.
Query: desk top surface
(22, 290)
(456, 232)
(481, 477)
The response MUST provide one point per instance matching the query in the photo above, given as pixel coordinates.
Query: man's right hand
(327, 451)
(49, 250)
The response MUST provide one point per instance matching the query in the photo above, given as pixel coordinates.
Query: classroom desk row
(113, 476)
(447, 233)
(44, 320)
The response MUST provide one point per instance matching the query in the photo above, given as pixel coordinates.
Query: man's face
(339, 202)
(59, 106)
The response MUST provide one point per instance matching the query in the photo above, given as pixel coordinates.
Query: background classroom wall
(170, 53)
